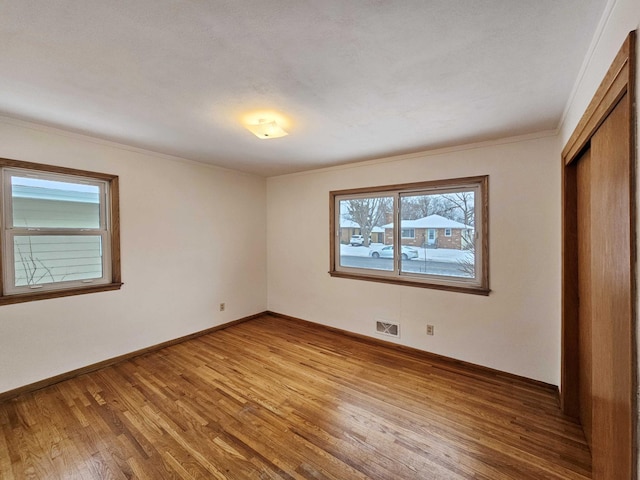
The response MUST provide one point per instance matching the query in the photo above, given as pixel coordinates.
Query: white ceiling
(354, 79)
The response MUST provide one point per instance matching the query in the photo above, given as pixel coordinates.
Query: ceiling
(352, 80)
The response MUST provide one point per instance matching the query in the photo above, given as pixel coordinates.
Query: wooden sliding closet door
(599, 279)
(611, 298)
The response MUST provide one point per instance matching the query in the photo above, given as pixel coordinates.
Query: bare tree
(464, 203)
(368, 213)
(467, 265)
(30, 265)
(420, 206)
(417, 207)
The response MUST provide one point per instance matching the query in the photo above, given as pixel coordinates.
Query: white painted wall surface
(515, 329)
(192, 236)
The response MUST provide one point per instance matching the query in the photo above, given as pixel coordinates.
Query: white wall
(515, 329)
(192, 236)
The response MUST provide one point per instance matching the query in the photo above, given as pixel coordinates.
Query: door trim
(620, 79)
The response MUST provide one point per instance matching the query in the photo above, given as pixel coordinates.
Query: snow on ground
(435, 254)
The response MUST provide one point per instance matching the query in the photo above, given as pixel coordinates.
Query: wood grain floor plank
(273, 398)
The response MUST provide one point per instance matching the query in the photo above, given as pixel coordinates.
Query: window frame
(479, 285)
(412, 237)
(448, 234)
(109, 232)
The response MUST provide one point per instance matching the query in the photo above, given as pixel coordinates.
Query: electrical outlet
(430, 330)
(222, 305)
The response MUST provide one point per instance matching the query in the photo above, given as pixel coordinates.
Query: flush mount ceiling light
(266, 128)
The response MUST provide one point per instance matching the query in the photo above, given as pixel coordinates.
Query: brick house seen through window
(433, 231)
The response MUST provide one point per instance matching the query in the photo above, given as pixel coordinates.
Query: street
(409, 266)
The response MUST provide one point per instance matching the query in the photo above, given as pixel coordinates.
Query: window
(59, 232)
(421, 218)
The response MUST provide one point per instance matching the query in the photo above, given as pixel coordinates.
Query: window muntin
(442, 233)
(57, 232)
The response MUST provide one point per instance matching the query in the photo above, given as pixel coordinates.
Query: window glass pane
(40, 203)
(363, 235)
(443, 234)
(46, 259)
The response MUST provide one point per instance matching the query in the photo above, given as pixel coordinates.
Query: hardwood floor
(273, 398)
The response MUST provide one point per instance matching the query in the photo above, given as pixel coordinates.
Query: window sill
(32, 297)
(412, 283)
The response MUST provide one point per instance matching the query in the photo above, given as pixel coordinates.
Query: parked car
(408, 253)
(356, 240)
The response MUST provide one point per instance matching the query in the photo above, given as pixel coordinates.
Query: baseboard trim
(468, 366)
(47, 382)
